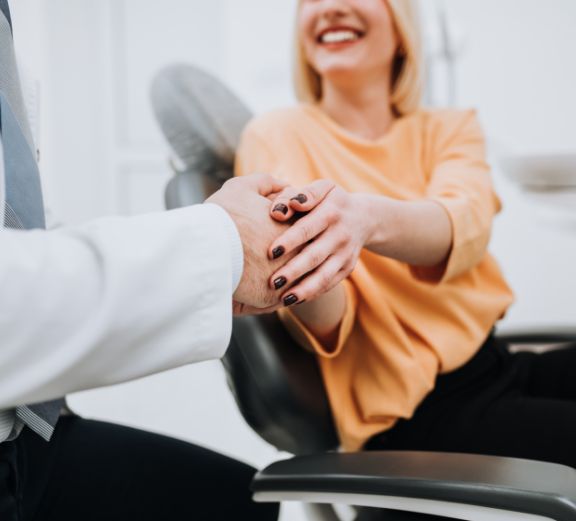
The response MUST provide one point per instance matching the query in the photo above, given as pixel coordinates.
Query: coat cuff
(236, 249)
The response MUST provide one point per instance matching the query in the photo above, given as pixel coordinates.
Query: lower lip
(334, 46)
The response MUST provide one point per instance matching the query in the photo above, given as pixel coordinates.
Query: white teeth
(339, 36)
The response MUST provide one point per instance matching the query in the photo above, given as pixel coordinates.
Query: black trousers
(517, 405)
(103, 472)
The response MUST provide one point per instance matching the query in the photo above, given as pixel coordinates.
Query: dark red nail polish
(278, 252)
(280, 282)
(301, 198)
(290, 299)
(280, 208)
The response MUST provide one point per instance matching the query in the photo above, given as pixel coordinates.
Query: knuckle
(342, 239)
(324, 280)
(315, 259)
(305, 232)
(332, 215)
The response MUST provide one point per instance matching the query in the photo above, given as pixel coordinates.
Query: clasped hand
(298, 243)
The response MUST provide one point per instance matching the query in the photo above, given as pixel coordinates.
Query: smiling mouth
(336, 36)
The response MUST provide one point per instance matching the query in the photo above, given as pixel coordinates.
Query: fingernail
(290, 299)
(280, 208)
(301, 198)
(278, 252)
(280, 282)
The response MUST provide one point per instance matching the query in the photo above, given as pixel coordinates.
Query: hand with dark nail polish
(278, 252)
(282, 208)
(301, 198)
(247, 200)
(280, 282)
(290, 299)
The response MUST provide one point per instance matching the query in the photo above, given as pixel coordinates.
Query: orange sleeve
(462, 184)
(308, 341)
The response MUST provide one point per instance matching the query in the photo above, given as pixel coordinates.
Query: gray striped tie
(24, 207)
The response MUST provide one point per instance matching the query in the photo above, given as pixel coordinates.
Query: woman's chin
(342, 75)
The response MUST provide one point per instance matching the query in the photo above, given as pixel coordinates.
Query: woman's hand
(332, 229)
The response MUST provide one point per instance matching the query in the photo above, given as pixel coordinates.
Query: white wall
(101, 152)
(516, 69)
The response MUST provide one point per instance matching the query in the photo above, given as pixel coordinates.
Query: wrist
(367, 209)
(384, 216)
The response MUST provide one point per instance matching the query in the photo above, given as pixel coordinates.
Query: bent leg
(512, 426)
(94, 471)
(552, 374)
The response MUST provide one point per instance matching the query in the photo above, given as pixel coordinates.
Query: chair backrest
(201, 119)
(276, 384)
(278, 387)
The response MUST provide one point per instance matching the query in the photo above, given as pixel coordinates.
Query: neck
(364, 110)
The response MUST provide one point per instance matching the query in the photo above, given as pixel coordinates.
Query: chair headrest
(201, 119)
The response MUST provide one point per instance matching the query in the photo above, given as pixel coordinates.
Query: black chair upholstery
(285, 402)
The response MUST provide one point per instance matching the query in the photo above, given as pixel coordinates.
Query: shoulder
(443, 126)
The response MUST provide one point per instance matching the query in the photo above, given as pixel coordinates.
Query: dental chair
(279, 390)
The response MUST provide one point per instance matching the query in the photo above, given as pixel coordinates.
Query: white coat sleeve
(113, 300)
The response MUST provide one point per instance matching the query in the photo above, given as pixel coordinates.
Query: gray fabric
(24, 204)
(200, 118)
(23, 207)
(10, 80)
(5, 10)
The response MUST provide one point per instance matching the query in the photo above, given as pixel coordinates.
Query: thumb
(265, 184)
(311, 195)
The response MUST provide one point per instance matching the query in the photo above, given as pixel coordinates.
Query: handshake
(298, 244)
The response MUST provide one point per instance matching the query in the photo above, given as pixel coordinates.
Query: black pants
(103, 472)
(518, 405)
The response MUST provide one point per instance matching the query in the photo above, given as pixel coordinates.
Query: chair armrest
(552, 335)
(461, 486)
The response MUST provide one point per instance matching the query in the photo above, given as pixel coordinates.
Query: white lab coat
(113, 300)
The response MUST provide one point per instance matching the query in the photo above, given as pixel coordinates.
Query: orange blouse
(403, 324)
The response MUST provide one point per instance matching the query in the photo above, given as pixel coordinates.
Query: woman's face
(341, 37)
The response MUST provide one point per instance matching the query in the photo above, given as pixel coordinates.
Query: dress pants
(95, 471)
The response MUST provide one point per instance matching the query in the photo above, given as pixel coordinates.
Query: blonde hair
(408, 68)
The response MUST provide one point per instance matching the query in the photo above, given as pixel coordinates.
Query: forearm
(111, 301)
(416, 232)
(323, 315)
